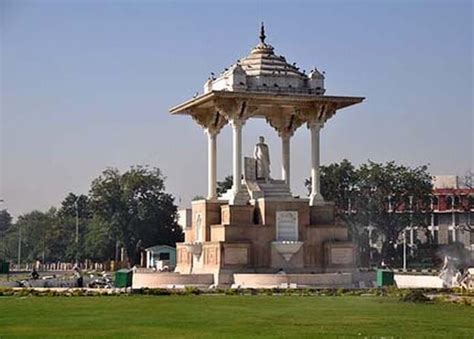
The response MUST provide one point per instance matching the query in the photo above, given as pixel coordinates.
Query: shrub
(415, 296)
(192, 290)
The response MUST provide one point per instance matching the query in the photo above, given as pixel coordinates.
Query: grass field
(211, 316)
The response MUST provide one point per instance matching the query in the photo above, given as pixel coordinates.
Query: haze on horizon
(88, 85)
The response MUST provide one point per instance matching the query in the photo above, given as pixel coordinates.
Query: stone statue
(262, 157)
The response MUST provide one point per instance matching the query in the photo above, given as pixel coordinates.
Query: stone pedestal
(241, 239)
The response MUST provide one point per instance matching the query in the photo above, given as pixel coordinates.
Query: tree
(99, 241)
(337, 183)
(40, 235)
(388, 197)
(68, 206)
(224, 185)
(5, 221)
(75, 208)
(5, 226)
(392, 198)
(134, 209)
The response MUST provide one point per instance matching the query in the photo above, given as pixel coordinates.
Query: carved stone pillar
(285, 121)
(315, 196)
(237, 112)
(285, 158)
(212, 122)
(236, 154)
(212, 164)
(315, 117)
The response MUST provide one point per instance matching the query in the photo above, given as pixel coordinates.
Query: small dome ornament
(262, 47)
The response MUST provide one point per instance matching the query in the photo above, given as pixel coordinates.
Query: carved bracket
(284, 120)
(209, 119)
(235, 109)
(319, 113)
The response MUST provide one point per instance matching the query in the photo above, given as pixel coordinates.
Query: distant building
(160, 256)
(451, 217)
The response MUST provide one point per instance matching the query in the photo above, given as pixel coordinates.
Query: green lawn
(211, 316)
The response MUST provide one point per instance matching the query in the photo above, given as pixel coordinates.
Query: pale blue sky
(88, 84)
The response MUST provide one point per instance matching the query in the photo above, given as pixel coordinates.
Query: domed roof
(263, 61)
(263, 70)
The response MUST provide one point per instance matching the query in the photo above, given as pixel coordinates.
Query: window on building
(472, 238)
(471, 218)
(449, 202)
(164, 256)
(435, 219)
(456, 219)
(457, 201)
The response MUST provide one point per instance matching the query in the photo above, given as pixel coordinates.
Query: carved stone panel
(210, 255)
(236, 256)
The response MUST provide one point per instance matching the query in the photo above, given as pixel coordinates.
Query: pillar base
(316, 199)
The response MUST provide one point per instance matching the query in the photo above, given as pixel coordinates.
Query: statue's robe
(262, 156)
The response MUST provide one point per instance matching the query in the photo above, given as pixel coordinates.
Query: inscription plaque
(287, 225)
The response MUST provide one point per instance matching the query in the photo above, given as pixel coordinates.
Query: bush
(415, 296)
(192, 290)
(233, 291)
(466, 301)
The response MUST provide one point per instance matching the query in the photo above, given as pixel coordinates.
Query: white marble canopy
(284, 107)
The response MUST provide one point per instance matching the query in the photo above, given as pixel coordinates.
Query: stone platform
(242, 280)
(144, 279)
(323, 280)
(264, 237)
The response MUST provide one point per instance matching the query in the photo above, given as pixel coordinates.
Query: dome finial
(262, 33)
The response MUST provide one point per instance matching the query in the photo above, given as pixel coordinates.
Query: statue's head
(261, 138)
